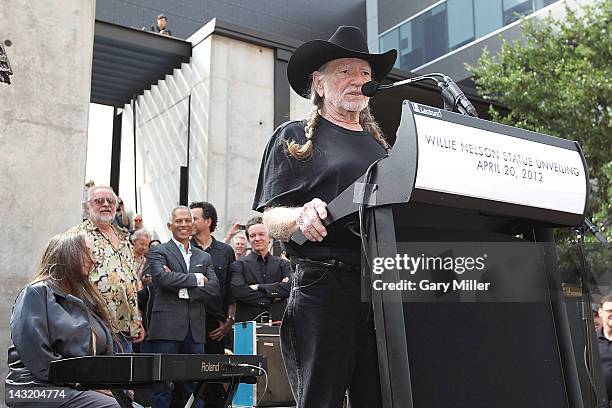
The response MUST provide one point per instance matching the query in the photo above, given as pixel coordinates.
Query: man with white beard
(328, 338)
(114, 273)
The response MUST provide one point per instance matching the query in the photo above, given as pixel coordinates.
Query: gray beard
(101, 219)
(348, 106)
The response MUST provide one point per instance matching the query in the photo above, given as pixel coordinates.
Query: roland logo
(207, 367)
(426, 110)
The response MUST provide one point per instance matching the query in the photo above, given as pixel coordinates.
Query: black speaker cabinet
(262, 340)
(279, 391)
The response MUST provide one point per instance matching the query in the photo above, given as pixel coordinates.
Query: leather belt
(329, 263)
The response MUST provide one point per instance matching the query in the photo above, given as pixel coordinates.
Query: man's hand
(309, 221)
(141, 336)
(285, 279)
(167, 269)
(254, 287)
(220, 332)
(146, 280)
(232, 231)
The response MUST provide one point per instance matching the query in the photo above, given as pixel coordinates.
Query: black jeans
(214, 393)
(328, 340)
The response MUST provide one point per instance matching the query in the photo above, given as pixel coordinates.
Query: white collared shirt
(186, 253)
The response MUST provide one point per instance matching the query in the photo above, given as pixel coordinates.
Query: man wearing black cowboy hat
(328, 338)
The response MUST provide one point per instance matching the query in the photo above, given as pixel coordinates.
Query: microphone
(455, 97)
(369, 89)
(451, 93)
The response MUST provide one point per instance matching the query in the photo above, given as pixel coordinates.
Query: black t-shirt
(605, 354)
(222, 256)
(340, 157)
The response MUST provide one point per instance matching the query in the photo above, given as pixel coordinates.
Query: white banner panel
(478, 163)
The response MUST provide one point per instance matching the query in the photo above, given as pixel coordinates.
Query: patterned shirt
(115, 278)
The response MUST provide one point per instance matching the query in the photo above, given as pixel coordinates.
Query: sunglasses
(102, 200)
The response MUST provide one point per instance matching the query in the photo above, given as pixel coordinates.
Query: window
(460, 23)
(487, 16)
(540, 4)
(405, 48)
(390, 41)
(438, 35)
(450, 25)
(429, 37)
(513, 9)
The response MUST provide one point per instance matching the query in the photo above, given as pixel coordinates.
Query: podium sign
(473, 162)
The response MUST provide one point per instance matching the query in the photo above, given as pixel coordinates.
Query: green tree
(557, 79)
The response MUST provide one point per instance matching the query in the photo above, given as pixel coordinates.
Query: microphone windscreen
(369, 89)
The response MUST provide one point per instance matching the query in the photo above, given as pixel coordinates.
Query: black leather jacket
(47, 325)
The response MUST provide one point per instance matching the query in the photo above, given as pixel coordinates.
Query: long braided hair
(366, 120)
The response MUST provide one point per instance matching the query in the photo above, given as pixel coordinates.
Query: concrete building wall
(43, 135)
(299, 107)
(232, 110)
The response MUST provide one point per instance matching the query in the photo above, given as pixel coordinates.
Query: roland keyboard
(126, 370)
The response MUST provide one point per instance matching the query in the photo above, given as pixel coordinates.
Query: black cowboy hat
(346, 42)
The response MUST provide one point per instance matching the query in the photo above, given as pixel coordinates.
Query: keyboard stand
(229, 394)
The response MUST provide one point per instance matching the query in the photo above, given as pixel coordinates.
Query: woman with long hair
(59, 314)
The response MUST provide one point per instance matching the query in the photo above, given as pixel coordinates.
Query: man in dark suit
(261, 282)
(222, 256)
(184, 285)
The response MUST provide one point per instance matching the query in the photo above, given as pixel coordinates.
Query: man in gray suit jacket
(184, 285)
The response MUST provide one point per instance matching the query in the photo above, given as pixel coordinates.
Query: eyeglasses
(102, 200)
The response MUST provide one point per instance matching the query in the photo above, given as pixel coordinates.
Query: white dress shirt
(186, 253)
